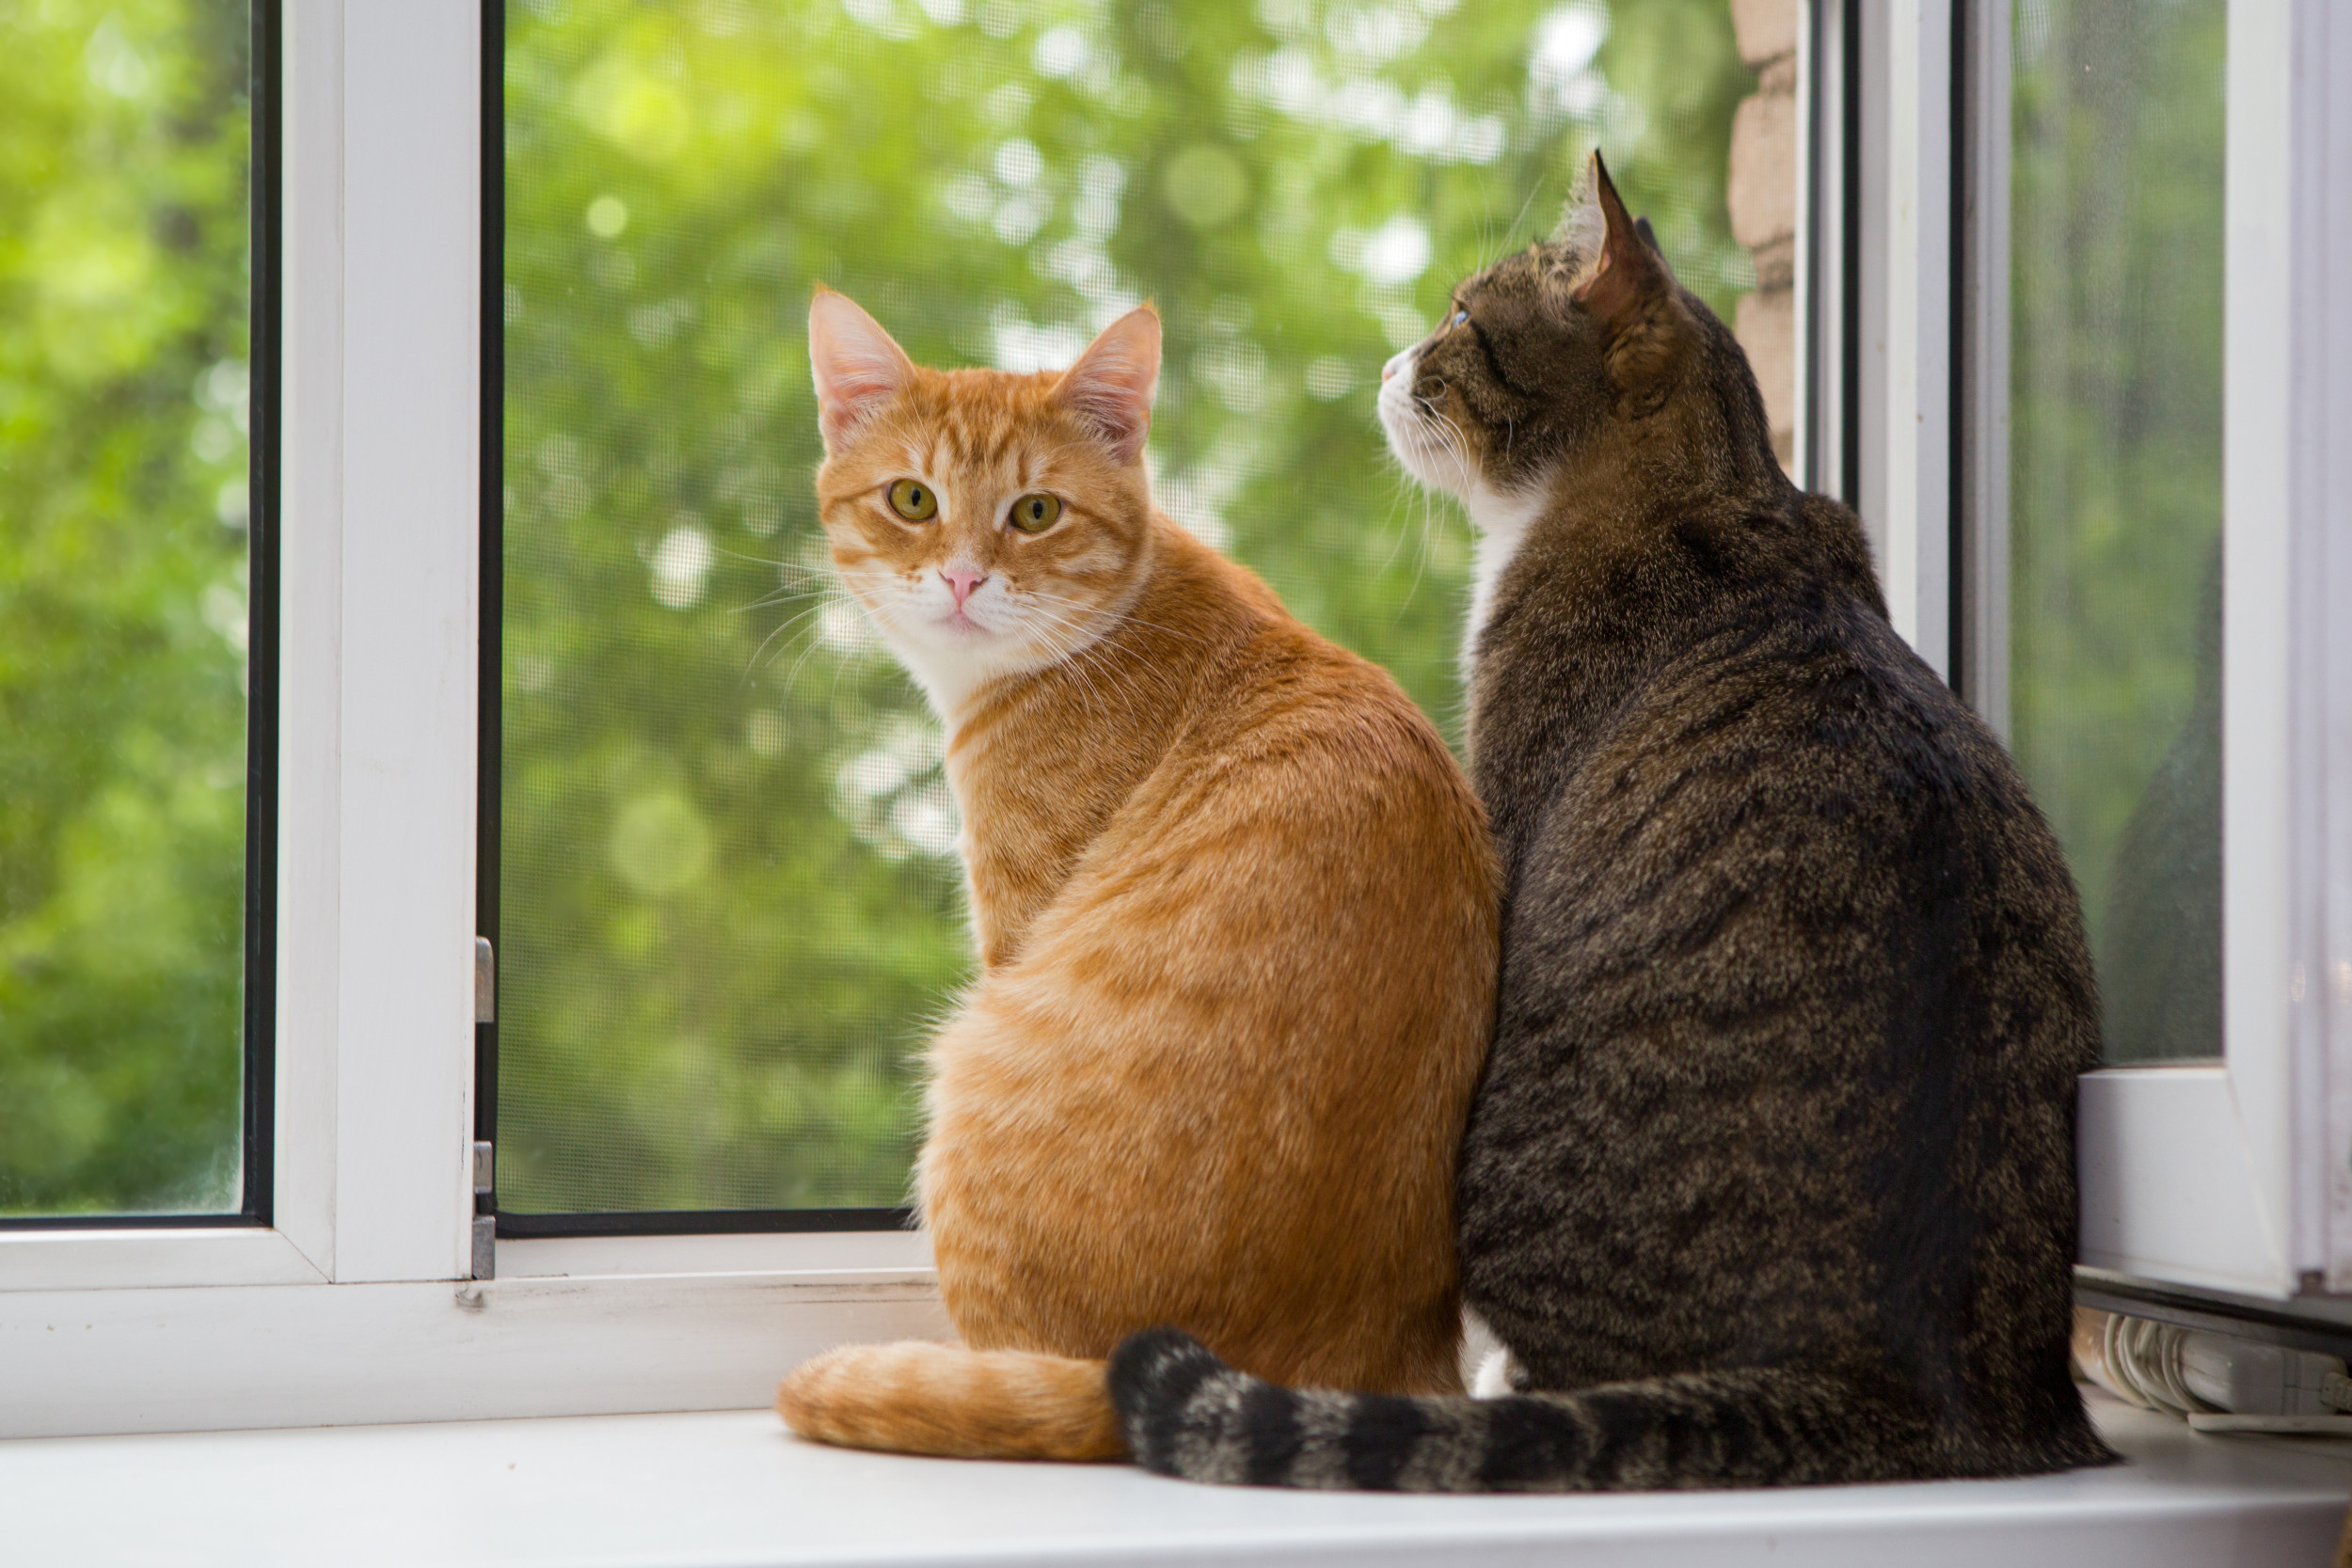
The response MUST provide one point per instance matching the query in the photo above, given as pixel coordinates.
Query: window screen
(2114, 499)
(135, 607)
(729, 905)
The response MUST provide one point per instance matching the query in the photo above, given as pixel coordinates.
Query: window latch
(485, 982)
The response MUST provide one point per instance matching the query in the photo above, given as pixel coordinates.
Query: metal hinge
(485, 1253)
(485, 982)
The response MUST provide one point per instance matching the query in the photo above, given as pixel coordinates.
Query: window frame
(367, 733)
(2203, 1175)
(354, 1303)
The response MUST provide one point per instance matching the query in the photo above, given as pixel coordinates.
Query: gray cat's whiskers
(1451, 444)
(1405, 488)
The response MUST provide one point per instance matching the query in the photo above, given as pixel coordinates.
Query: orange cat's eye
(1035, 513)
(912, 500)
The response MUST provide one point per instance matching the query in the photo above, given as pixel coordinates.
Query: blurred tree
(730, 903)
(122, 603)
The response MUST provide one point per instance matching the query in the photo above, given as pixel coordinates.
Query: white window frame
(2234, 1176)
(353, 1305)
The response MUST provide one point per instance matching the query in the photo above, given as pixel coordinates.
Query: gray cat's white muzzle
(1414, 433)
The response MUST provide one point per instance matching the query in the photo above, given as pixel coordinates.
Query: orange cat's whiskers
(1125, 681)
(781, 565)
(781, 595)
(1089, 658)
(1074, 648)
(1120, 616)
(813, 630)
(1086, 646)
(815, 582)
(808, 651)
(803, 618)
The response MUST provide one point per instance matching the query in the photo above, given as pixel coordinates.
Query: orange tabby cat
(1236, 913)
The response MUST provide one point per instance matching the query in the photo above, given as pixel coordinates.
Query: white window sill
(732, 1488)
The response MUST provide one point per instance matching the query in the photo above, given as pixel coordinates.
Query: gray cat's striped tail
(1187, 1413)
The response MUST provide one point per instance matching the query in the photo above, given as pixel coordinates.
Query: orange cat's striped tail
(918, 1396)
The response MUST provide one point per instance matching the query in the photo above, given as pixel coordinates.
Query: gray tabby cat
(1771, 1176)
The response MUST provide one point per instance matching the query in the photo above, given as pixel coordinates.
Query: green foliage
(730, 905)
(730, 899)
(122, 453)
(2115, 496)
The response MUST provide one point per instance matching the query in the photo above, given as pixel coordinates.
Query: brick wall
(1763, 198)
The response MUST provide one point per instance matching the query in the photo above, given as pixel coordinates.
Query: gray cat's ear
(1627, 275)
(1582, 229)
(856, 366)
(1627, 288)
(1111, 385)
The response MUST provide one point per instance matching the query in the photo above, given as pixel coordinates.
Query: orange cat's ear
(856, 367)
(1110, 387)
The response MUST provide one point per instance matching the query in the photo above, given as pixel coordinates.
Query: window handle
(485, 982)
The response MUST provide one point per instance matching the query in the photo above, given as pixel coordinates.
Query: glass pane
(2115, 502)
(123, 311)
(729, 898)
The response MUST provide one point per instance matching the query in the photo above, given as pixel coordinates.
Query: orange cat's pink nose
(962, 581)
